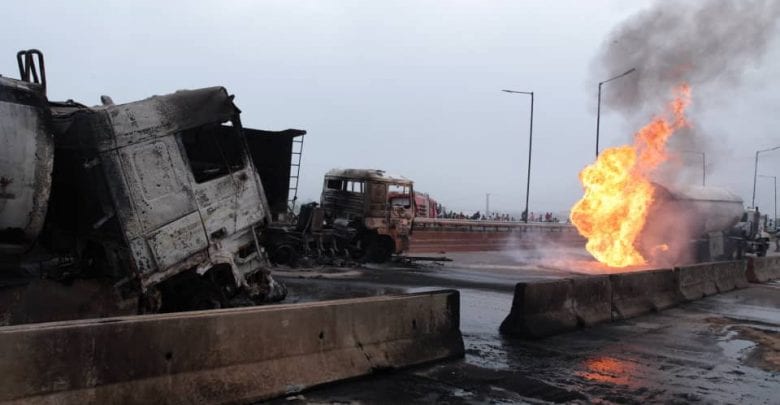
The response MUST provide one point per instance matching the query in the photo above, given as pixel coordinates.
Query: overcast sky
(412, 87)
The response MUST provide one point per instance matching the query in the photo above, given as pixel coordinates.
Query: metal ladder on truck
(295, 167)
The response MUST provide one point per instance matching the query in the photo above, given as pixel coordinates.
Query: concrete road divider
(540, 309)
(640, 292)
(696, 281)
(224, 356)
(592, 299)
(730, 275)
(763, 269)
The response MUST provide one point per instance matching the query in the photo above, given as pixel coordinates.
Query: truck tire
(285, 254)
(379, 249)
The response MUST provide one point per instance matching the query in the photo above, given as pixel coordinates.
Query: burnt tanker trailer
(700, 224)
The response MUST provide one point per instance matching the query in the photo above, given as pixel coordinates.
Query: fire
(618, 191)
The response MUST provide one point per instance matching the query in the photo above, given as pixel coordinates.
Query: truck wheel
(284, 254)
(379, 249)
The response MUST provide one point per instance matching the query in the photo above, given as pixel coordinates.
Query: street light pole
(755, 172)
(598, 121)
(530, 146)
(487, 205)
(774, 218)
(598, 110)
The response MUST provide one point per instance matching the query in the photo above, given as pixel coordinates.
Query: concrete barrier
(640, 292)
(540, 309)
(730, 275)
(592, 299)
(763, 269)
(224, 356)
(696, 281)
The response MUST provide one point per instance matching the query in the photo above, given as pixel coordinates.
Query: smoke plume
(708, 44)
(703, 42)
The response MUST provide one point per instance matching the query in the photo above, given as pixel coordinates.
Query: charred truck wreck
(360, 218)
(154, 205)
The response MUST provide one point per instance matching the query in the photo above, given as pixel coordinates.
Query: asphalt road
(722, 349)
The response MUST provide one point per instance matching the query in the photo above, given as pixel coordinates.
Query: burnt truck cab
(367, 201)
(161, 195)
(165, 191)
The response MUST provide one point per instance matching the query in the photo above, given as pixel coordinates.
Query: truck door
(377, 201)
(225, 186)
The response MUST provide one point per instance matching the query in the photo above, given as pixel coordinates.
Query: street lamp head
(627, 72)
(755, 170)
(768, 149)
(518, 92)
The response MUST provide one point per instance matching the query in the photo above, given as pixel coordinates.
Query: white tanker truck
(700, 224)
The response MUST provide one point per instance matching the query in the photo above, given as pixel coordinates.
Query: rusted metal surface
(357, 220)
(453, 235)
(369, 174)
(362, 197)
(26, 161)
(498, 225)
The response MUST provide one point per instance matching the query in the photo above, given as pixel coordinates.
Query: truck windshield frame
(213, 150)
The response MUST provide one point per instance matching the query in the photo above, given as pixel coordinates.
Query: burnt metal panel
(157, 182)
(26, 162)
(177, 241)
(342, 204)
(272, 154)
(169, 114)
(125, 175)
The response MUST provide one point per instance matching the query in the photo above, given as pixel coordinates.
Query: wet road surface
(722, 349)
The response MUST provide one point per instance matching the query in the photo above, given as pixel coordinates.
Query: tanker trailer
(695, 224)
(26, 158)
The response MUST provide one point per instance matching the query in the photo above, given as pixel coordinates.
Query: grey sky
(407, 86)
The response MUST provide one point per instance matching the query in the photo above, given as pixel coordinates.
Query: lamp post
(598, 112)
(755, 171)
(703, 165)
(530, 145)
(774, 218)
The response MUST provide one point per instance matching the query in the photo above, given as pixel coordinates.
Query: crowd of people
(497, 216)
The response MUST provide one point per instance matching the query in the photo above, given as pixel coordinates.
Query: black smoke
(702, 42)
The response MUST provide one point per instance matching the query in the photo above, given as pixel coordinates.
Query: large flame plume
(618, 190)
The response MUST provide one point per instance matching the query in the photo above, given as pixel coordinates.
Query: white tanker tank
(26, 155)
(696, 224)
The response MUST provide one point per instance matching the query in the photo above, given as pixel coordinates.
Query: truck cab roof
(368, 174)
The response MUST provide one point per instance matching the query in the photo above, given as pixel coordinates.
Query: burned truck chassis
(310, 242)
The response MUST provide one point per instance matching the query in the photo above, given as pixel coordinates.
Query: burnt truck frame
(153, 205)
(361, 198)
(356, 219)
(164, 189)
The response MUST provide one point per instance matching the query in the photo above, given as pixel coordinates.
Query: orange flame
(618, 191)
